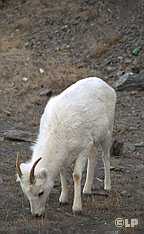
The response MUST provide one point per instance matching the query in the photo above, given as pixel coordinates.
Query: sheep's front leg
(77, 175)
(64, 188)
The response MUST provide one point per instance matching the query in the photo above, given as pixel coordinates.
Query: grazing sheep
(72, 125)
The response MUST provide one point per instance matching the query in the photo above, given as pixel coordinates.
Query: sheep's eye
(41, 193)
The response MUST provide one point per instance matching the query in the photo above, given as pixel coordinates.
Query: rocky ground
(46, 46)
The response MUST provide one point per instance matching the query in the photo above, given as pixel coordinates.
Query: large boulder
(130, 81)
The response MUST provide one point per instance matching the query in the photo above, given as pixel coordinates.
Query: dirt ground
(51, 44)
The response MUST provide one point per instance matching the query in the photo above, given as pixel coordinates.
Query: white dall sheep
(72, 125)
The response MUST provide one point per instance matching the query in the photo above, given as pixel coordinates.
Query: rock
(130, 81)
(117, 148)
(139, 145)
(135, 69)
(110, 68)
(125, 193)
(25, 79)
(100, 180)
(136, 51)
(27, 44)
(107, 61)
(132, 128)
(117, 169)
(120, 73)
(133, 92)
(7, 112)
(64, 27)
(139, 168)
(122, 80)
(120, 58)
(1, 138)
(128, 61)
(46, 92)
(112, 168)
(142, 115)
(141, 192)
(18, 135)
(129, 147)
(88, 2)
(41, 71)
(1, 180)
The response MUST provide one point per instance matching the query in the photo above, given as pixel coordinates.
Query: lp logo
(120, 222)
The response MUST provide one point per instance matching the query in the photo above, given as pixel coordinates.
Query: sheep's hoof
(107, 188)
(77, 212)
(87, 192)
(107, 191)
(63, 203)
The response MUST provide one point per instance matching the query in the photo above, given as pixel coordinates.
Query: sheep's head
(34, 184)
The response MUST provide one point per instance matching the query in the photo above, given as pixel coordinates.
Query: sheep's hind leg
(106, 145)
(90, 171)
(63, 199)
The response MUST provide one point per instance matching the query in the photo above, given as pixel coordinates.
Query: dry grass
(56, 77)
(102, 203)
(103, 47)
(7, 44)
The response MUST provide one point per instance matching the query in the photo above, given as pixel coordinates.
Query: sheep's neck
(52, 157)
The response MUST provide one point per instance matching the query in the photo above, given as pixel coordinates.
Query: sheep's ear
(42, 174)
(25, 167)
(22, 165)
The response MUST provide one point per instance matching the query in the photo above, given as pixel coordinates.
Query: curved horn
(18, 170)
(32, 176)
